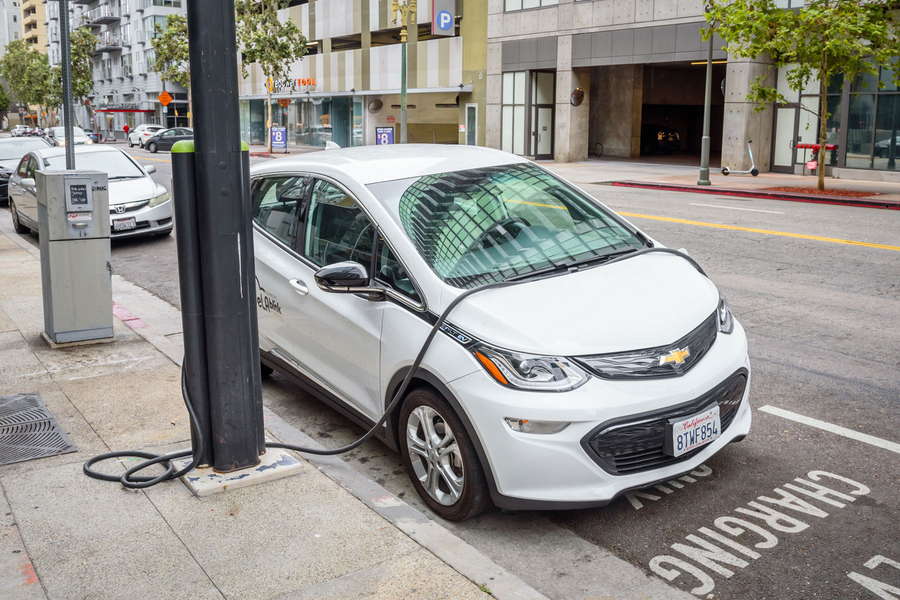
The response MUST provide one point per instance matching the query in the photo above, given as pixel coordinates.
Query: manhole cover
(28, 430)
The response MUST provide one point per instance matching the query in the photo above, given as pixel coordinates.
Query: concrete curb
(810, 198)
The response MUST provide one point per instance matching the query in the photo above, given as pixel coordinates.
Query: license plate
(124, 224)
(686, 434)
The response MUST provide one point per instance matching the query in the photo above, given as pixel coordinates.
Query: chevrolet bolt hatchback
(604, 367)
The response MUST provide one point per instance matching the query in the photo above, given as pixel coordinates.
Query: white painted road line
(849, 433)
(774, 212)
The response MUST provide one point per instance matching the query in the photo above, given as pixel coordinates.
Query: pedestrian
(125, 129)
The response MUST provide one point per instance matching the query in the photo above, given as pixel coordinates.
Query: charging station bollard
(211, 186)
(73, 218)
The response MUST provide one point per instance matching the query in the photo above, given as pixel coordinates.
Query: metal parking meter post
(224, 240)
(707, 101)
(66, 65)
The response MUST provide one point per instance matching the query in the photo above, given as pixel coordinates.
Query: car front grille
(635, 444)
(670, 360)
(129, 207)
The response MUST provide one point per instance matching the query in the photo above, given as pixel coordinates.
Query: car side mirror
(150, 168)
(27, 182)
(343, 277)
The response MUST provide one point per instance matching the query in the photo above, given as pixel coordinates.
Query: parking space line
(766, 231)
(774, 212)
(849, 433)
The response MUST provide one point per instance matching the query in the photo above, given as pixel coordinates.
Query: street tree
(4, 103)
(269, 42)
(36, 83)
(82, 44)
(813, 45)
(172, 56)
(14, 65)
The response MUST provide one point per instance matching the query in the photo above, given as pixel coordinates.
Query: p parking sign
(443, 21)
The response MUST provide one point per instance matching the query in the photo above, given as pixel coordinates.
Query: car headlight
(724, 318)
(89, 141)
(157, 200)
(530, 372)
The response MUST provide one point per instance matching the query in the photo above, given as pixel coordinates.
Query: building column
(572, 122)
(493, 95)
(742, 122)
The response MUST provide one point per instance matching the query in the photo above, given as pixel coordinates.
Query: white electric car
(603, 367)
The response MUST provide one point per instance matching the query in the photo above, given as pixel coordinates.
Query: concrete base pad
(57, 345)
(274, 464)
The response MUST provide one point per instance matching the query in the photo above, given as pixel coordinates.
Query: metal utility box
(73, 214)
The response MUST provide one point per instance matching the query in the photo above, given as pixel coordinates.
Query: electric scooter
(753, 170)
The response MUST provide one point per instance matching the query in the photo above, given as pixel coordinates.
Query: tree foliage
(269, 42)
(27, 73)
(81, 48)
(812, 45)
(171, 46)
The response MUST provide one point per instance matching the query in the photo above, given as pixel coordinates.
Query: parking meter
(73, 218)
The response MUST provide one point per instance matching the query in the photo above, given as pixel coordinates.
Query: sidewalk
(628, 173)
(326, 532)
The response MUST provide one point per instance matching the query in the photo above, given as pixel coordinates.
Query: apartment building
(34, 24)
(125, 86)
(349, 83)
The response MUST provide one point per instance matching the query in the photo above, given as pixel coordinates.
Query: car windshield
(479, 226)
(115, 164)
(15, 148)
(60, 132)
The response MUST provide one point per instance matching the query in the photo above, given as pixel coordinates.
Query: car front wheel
(440, 458)
(130, 143)
(152, 147)
(15, 219)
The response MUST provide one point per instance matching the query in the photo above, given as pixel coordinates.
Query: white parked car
(18, 130)
(137, 204)
(142, 133)
(607, 364)
(57, 136)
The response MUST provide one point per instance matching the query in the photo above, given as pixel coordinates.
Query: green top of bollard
(187, 146)
(183, 147)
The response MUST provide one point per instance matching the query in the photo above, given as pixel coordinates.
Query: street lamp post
(66, 64)
(405, 14)
(707, 101)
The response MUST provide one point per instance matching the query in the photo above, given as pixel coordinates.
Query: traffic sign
(165, 98)
(384, 136)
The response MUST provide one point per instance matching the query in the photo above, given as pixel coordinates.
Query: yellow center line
(139, 158)
(766, 231)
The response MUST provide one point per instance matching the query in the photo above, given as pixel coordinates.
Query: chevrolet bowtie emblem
(676, 356)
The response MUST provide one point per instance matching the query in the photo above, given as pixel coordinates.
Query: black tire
(474, 498)
(754, 172)
(130, 145)
(152, 147)
(15, 219)
(725, 171)
(141, 143)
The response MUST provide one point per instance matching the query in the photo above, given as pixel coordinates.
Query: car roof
(19, 140)
(373, 164)
(60, 150)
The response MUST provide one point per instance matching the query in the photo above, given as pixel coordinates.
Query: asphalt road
(823, 319)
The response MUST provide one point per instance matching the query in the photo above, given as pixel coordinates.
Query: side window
(168, 133)
(276, 206)
(337, 229)
(29, 170)
(389, 271)
(22, 167)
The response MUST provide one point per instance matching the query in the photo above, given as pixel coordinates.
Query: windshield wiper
(572, 265)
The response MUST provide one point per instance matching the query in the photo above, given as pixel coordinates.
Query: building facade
(125, 86)
(348, 87)
(34, 24)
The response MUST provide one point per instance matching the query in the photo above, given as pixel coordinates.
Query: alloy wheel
(435, 455)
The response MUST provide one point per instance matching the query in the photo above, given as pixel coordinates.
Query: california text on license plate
(123, 224)
(686, 434)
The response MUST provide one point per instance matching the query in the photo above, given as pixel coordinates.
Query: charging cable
(130, 480)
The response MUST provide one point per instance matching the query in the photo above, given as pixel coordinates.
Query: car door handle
(299, 287)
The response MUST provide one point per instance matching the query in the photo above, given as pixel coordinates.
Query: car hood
(10, 164)
(132, 190)
(642, 302)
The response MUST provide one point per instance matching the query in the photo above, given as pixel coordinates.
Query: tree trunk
(269, 122)
(823, 125)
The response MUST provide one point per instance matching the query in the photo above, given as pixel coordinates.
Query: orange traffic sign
(165, 98)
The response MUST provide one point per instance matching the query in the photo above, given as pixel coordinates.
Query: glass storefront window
(860, 128)
(512, 127)
(887, 136)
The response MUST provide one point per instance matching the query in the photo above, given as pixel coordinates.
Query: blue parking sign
(384, 135)
(279, 138)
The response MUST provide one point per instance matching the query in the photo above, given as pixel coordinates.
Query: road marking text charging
(848, 433)
(766, 231)
(666, 488)
(703, 552)
(879, 588)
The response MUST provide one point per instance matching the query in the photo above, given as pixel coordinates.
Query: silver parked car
(137, 204)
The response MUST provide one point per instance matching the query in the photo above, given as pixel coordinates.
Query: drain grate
(28, 430)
